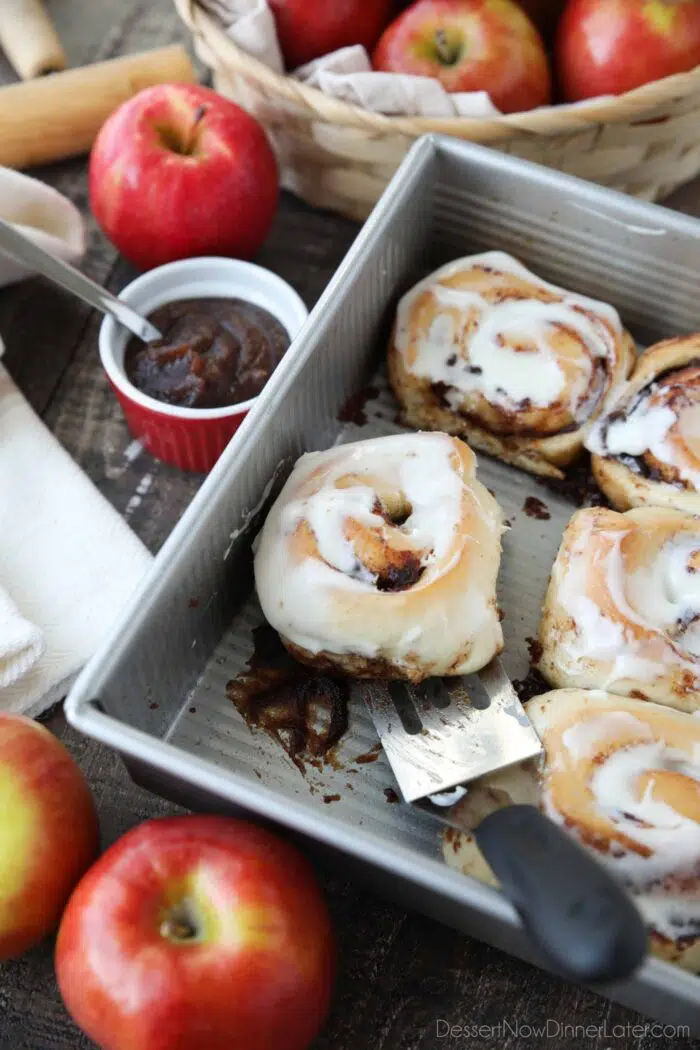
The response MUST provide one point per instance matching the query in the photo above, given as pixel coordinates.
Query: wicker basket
(339, 156)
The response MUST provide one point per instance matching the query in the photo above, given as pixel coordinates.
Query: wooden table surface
(401, 976)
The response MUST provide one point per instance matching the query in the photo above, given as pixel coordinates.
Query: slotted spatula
(446, 732)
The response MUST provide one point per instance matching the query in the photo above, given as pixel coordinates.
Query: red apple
(48, 832)
(308, 29)
(179, 171)
(607, 47)
(201, 933)
(470, 45)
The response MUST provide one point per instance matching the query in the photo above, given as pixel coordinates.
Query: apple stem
(180, 926)
(199, 114)
(447, 53)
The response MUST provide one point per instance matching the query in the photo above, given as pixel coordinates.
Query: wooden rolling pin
(59, 116)
(29, 40)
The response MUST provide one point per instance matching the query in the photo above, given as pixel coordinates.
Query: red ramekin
(191, 438)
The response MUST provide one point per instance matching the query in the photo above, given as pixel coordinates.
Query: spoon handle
(25, 251)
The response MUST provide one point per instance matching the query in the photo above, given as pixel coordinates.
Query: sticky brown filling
(510, 423)
(305, 711)
(402, 576)
(403, 568)
(644, 465)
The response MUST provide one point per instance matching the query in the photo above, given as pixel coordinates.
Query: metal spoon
(29, 254)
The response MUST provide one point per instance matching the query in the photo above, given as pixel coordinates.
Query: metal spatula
(447, 732)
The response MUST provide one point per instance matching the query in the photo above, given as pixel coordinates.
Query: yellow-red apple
(201, 933)
(179, 171)
(470, 45)
(48, 832)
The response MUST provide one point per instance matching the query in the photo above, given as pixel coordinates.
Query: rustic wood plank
(40, 327)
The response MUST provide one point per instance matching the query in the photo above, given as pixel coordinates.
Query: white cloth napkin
(21, 642)
(68, 562)
(42, 214)
(251, 25)
(347, 74)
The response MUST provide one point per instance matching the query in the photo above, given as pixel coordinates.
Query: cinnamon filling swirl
(624, 777)
(380, 558)
(622, 611)
(486, 348)
(657, 435)
(504, 348)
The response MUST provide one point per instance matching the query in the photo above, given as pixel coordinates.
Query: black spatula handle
(578, 915)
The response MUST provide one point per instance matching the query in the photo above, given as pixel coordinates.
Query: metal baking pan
(156, 691)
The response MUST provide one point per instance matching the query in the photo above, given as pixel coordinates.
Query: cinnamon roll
(623, 777)
(622, 611)
(485, 349)
(646, 447)
(380, 558)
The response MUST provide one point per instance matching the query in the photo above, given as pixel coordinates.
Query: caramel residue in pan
(369, 756)
(307, 713)
(578, 487)
(535, 650)
(536, 508)
(533, 684)
(353, 411)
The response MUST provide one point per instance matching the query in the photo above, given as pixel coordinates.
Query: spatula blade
(450, 731)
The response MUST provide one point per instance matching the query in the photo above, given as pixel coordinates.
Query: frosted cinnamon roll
(646, 448)
(623, 777)
(622, 611)
(485, 349)
(380, 558)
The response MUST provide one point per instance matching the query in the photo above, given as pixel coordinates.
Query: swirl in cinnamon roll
(380, 558)
(622, 611)
(623, 777)
(485, 349)
(646, 448)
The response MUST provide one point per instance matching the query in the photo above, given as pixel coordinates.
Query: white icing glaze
(623, 750)
(672, 917)
(669, 841)
(597, 637)
(449, 798)
(668, 588)
(507, 376)
(674, 839)
(583, 739)
(646, 428)
(661, 596)
(316, 602)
